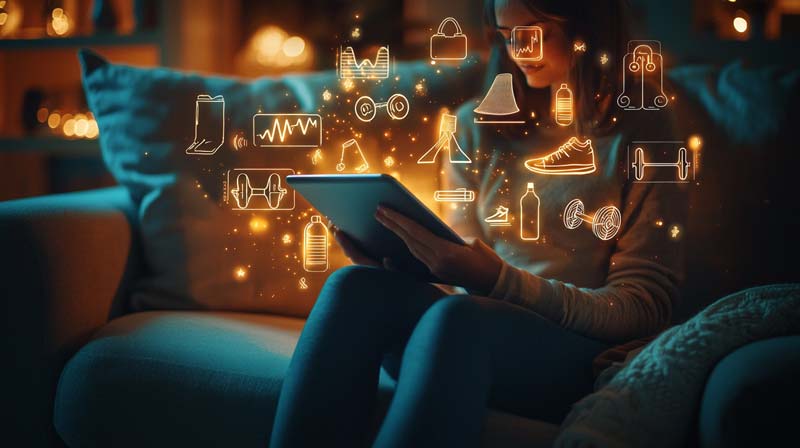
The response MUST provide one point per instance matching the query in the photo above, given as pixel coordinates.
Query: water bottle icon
(564, 106)
(315, 246)
(529, 215)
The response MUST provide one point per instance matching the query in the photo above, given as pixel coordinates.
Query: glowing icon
(603, 59)
(457, 195)
(529, 206)
(564, 106)
(315, 246)
(316, 157)
(209, 125)
(449, 47)
(303, 283)
(574, 158)
(642, 62)
(661, 154)
(260, 189)
(527, 42)
(499, 101)
(499, 219)
(605, 223)
(447, 141)
(239, 141)
(352, 152)
(350, 68)
(397, 107)
(287, 130)
(579, 47)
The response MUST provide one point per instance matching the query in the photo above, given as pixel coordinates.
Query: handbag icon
(449, 47)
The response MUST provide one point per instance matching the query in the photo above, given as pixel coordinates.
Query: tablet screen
(350, 202)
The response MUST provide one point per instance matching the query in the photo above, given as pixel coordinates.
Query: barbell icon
(397, 107)
(605, 223)
(639, 164)
(272, 191)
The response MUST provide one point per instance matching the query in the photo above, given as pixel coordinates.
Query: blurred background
(48, 137)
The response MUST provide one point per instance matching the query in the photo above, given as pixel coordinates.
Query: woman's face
(555, 64)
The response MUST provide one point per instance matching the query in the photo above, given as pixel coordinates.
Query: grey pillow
(202, 254)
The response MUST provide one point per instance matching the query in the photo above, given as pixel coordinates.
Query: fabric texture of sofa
(211, 378)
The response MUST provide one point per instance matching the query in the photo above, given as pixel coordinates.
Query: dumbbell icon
(605, 223)
(639, 164)
(272, 191)
(397, 107)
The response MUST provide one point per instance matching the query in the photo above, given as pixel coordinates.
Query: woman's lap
(537, 368)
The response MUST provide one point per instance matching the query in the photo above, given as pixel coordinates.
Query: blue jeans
(452, 357)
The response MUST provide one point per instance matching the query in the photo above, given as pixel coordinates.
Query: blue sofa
(80, 363)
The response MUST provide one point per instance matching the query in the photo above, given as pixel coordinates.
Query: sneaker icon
(499, 219)
(572, 158)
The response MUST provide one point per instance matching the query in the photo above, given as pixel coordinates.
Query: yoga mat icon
(209, 125)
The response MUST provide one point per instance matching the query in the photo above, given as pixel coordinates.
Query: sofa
(84, 370)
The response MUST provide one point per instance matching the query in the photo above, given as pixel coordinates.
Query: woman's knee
(349, 285)
(455, 315)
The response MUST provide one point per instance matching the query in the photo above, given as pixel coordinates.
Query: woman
(537, 313)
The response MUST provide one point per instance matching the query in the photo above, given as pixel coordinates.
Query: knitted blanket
(652, 400)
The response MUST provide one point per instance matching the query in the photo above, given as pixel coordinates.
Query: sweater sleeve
(644, 271)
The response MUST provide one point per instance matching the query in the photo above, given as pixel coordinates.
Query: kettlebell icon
(449, 47)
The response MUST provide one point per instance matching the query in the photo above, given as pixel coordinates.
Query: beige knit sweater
(613, 290)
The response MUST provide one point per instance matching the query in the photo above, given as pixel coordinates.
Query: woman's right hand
(353, 253)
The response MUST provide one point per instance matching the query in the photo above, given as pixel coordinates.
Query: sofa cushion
(200, 252)
(176, 379)
(164, 378)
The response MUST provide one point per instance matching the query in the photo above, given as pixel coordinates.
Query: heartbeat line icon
(528, 49)
(527, 43)
(287, 130)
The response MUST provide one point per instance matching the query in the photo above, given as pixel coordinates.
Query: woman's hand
(474, 266)
(352, 252)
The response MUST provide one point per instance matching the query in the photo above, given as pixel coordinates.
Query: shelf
(51, 145)
(97, 40)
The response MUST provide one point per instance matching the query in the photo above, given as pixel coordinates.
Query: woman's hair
(604, 26)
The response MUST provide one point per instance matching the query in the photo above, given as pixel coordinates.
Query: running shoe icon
(499, 219)
(573, 158)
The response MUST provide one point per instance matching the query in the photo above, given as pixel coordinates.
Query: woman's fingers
(416, 247)
(352, 252)
(414, 229)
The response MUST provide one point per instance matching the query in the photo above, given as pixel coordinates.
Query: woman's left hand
(474, 266)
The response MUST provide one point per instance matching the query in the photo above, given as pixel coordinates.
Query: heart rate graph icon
(287, 130)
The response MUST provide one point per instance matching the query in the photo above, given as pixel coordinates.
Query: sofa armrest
(66, 261)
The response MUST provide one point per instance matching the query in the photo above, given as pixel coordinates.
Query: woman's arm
(644, 271)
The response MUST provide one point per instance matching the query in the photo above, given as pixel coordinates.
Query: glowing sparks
(356, 33)
(659, 223)
(604, 59)
(419, 88)
(675, 232)
(326, 95)
(258, 225)
(388, 161)
(347, 85)
(695, 143)
(286, 239)
(240, 273)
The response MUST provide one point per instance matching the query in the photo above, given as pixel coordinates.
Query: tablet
(350, 202)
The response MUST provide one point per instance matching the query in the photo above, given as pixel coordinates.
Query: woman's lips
(531, 68)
